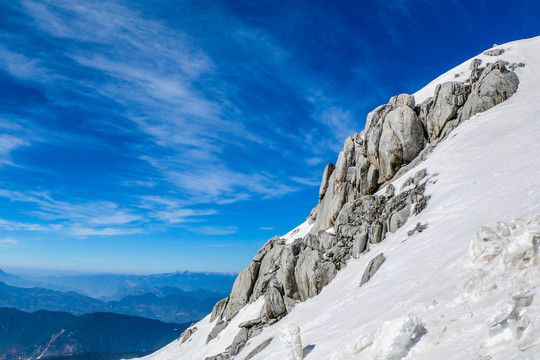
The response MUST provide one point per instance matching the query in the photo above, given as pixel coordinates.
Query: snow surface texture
(298, 232)
(464, 288)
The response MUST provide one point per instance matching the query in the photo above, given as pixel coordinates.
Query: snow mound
(395, 338)
(290, 337)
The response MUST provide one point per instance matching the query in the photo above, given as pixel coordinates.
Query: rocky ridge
(350, 216)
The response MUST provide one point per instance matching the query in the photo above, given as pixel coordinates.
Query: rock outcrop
(349, 216)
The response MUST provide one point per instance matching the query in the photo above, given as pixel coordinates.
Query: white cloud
(85, 231)
(305, 181)
(8, 242)
(8, 144)
(215, 230)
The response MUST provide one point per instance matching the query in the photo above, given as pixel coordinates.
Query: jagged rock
(448, 98)
(399, 218)
(418, 228)
(402, 100)
(493, 52)
(217, 312)
(259, 348)
(222, 356)
(402, 138)
(495, 85)
(420, 174)
(220, 325)
(187, 334)
(476, 71)
(328, 170)
(372, 268)
(285, 273)
(359, 243)
(423, 111)
(312, 273)
(274, 304)
(241, 290)
(238, 342)
(389, 191)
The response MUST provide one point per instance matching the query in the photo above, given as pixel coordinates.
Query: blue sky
(154, 136)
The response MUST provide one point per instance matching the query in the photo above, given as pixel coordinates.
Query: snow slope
(457, 290)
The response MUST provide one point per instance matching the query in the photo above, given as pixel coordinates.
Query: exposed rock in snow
(495, 85)
(494, 52)
(372, 268)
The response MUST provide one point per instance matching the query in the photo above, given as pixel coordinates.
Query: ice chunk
(290, 336)
(521, 250)
(395, 338)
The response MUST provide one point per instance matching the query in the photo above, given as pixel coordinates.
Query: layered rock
(349, 215)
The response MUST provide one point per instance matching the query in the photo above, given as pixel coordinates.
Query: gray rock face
(394, 136)
(448, 98)
(326, 177)
(372, 268)
(495, 85)
(274, 304)
(187, 334)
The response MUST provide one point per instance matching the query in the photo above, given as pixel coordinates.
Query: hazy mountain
(115, 286)
(165, 304)
(14, 280)
(45, 333)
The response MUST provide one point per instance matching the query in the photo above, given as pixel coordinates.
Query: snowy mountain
(424, 243)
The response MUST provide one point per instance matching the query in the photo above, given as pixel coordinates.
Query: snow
(197, 348)
(394, 339)
(298, 232)
(290, 337)
(471, 278)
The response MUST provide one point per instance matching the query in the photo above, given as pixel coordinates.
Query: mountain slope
(455, 290)
(46, 333)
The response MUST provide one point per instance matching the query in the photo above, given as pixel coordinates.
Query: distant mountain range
(114, 286)
(165, 303)
(47, 335)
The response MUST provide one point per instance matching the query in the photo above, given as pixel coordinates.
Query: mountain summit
(424, 241)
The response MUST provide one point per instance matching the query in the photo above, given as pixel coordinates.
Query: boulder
(495, 85)
(274, 305)
(372, 268)
(493, 52)
(448, 98)
(399, 218)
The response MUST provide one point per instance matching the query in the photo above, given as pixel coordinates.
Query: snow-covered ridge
(414, 305)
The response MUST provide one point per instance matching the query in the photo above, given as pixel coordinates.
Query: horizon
(143, 137)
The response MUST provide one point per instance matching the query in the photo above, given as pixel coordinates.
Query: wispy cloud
(84, 231)
(15, 226)
(266, 228)
(8, 144)
(215, 230)
(8, 242)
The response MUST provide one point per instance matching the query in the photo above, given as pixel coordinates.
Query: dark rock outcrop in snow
(372, 268)
(349, 215)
